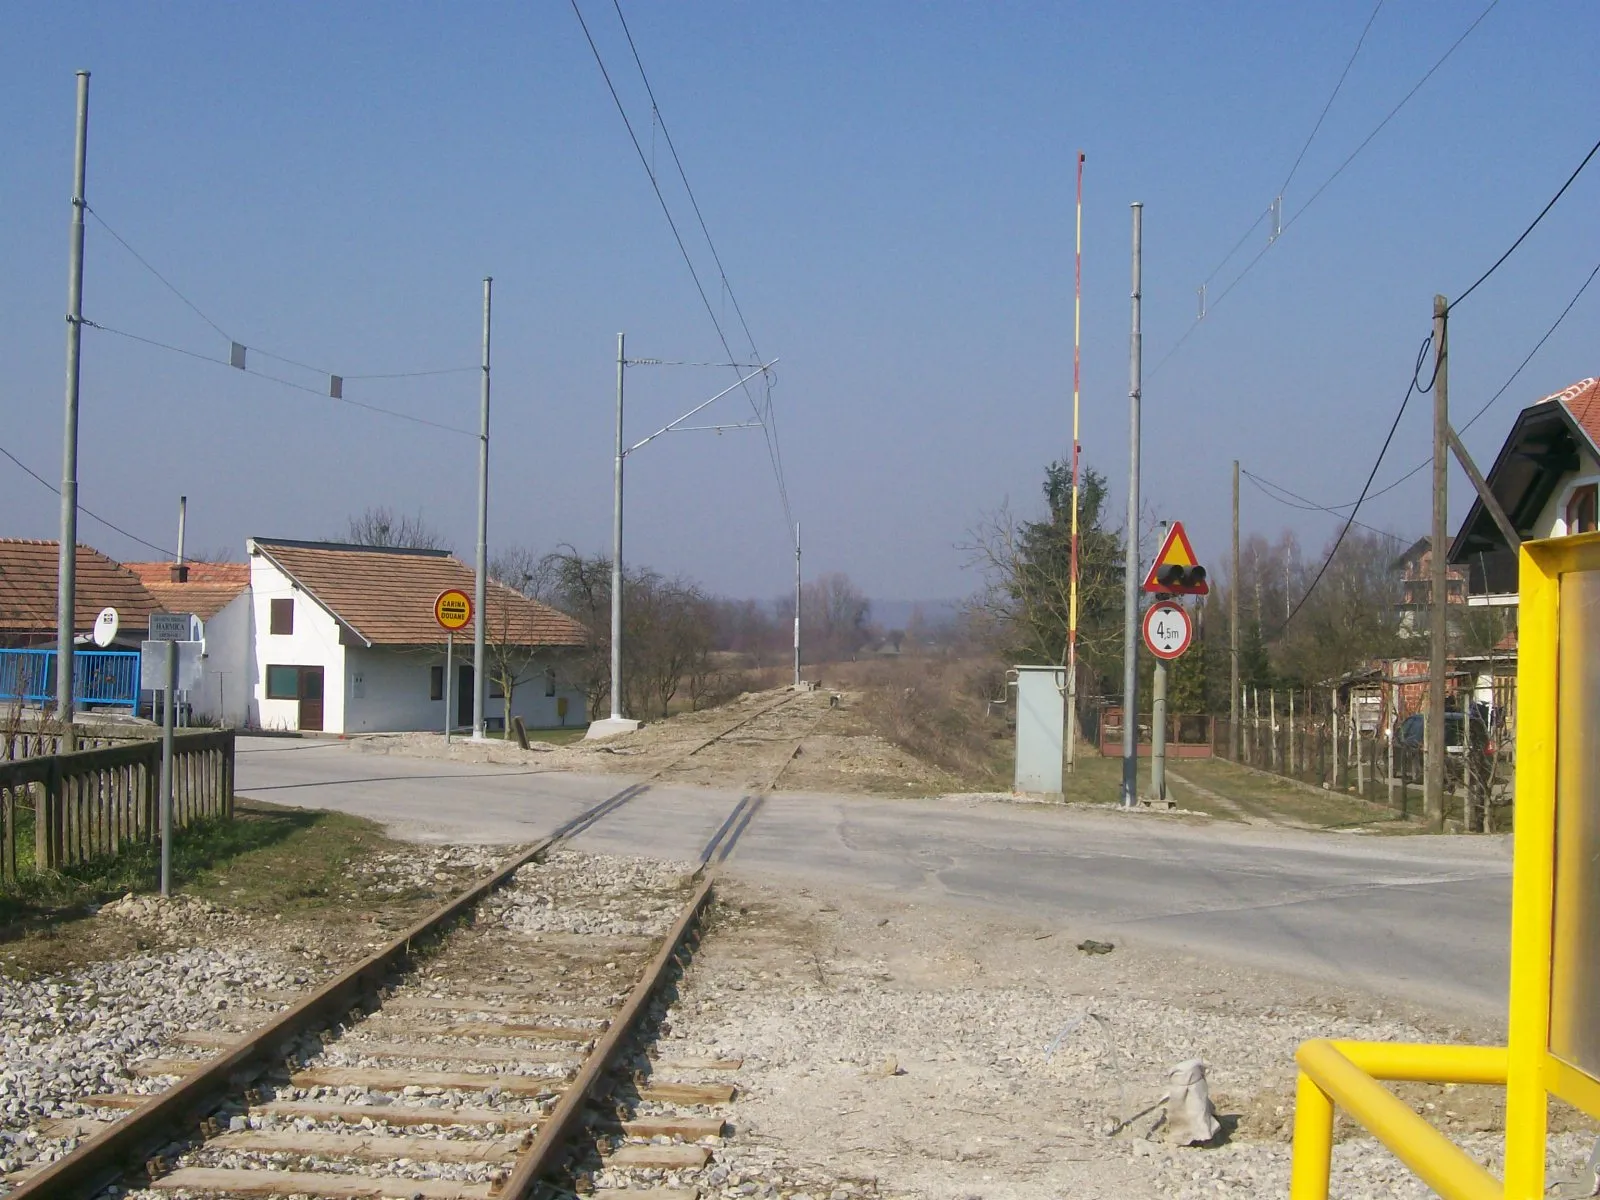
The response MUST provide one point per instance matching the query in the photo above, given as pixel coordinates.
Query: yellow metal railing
(1347, 1073)
(1553, 982)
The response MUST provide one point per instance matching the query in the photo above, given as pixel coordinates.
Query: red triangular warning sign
(1176, 571)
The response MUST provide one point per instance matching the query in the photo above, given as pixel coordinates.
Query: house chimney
(180, 569)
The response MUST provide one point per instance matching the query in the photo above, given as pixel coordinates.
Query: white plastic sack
(1190, 1115)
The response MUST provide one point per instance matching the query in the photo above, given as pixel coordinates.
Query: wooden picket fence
(88, 804)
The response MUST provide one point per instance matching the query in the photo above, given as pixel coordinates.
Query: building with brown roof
(218, 594)
(1547, 480)
(28, 594)
(345, 640)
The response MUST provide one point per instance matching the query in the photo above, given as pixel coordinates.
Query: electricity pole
(480, 681)
(1130, 569)
(616, 552)
(1233, 620)
(67, 564)
(1434, 721)
(797, 606)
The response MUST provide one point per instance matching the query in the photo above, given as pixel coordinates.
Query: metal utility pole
(616, 552)
(1130, 569)
(1233, 621)
(1072, 608)
(67, 564)
(1433, 741)
(797, 606)
(480, 682)
(166, 765)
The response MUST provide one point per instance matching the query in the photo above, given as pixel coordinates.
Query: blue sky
(890, 189)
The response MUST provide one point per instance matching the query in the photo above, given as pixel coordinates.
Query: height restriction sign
(1167, 630)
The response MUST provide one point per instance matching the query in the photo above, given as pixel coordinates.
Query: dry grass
(936, 709)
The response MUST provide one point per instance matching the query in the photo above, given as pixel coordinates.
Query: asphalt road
(1418, 917)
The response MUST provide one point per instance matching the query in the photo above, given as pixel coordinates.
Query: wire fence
(1346, 751)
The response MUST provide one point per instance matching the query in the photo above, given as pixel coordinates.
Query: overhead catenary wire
(1299, 158)
(774, 447)
(1332, 96)
(232, 340)
(321, 393)
(1211, 305)
(85, 509)
(683, 249)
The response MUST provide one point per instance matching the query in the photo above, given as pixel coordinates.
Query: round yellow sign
(453, 609)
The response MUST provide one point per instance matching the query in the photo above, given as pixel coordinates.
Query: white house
(218, 594)
(345, 641)
(1547, 480)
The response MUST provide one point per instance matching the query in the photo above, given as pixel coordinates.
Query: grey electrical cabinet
(1041, 719)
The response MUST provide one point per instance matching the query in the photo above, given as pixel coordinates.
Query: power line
(1323, 187)
(1270, 490)
(278, 379)
(1411, 387)
(84, 509)
(1513, 247)
(1489, 403)
(677, 235)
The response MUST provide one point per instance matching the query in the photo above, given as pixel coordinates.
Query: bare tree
(380, 525)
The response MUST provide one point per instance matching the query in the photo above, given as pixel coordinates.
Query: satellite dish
(105, 627)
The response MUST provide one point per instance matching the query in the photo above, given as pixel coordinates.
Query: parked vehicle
(1410, 734)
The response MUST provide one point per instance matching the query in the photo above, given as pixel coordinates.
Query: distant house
(1415, 567)
(28, 595)
(218, 594)
(345, 641)
(108, 678)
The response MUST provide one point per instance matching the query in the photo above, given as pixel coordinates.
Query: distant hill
(894, 614)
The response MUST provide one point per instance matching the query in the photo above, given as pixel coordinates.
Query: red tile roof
(211, 587)
(386, 594)
(28, 590)
(1582, 400)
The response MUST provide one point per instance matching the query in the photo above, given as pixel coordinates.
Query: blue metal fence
(108, 677)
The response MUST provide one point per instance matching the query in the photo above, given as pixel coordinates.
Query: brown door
(464, 696)
(311, 699)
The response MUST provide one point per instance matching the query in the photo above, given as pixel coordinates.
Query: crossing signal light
(1175, 571)
(1173, 577)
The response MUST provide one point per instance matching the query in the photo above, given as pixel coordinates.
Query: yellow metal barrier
(1438, 1161)
(1553, 1020)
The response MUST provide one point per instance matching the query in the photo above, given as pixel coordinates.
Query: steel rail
(543, 1154)
(105, 1157)
(100, 1160)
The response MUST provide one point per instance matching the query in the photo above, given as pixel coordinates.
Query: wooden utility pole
(1233, 619)
(1433, 741)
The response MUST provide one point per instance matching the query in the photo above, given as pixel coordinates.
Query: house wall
(387, 690)
(1553, 517)
(227, 681)
(314, 643)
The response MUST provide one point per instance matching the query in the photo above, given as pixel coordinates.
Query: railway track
(463, 1061)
